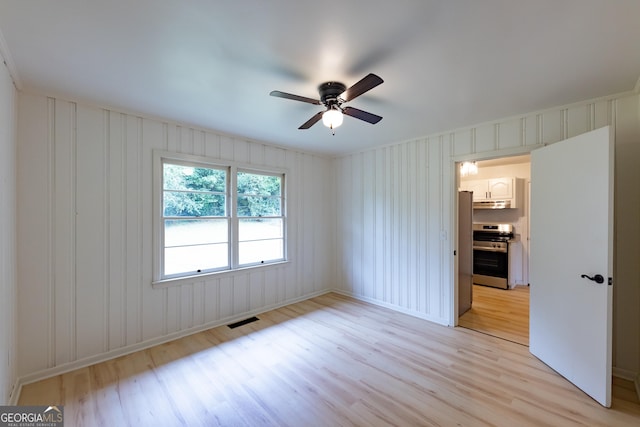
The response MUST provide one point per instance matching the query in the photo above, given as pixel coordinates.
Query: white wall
(393, 207)
(85, 228)
(395, 212)
(8, 256)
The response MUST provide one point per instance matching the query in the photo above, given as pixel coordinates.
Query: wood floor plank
(499, 312)
(329, 361)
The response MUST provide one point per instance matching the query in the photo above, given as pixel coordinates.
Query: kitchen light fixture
(468, 168)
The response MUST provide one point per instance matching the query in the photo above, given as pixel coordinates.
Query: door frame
(455, 179)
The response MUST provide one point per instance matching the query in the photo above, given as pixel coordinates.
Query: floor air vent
(243, 322)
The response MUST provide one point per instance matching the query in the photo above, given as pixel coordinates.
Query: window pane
(193, 204)
(265, 185)
(258, 206)
(260, 250)
(178, 177)
(257, 229)
(195, 232)
(195, 259)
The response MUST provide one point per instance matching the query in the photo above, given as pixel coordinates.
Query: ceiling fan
(333, 95)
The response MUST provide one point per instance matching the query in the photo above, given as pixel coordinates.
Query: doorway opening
(496, 311)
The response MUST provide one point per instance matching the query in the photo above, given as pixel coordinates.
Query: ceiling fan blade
(312, 121)
(367, 83)
(285, 95)
(362, 115)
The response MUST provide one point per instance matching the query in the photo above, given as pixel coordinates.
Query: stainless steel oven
(491, 254)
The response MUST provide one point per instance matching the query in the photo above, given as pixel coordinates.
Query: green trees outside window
(198, 220)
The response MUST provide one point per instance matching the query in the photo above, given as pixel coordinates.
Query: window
(217, 217)
(260, 219)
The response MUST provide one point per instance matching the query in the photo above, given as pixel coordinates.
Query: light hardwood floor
(498, 312)
(329, 361)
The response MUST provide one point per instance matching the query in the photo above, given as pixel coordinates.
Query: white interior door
(572, 235)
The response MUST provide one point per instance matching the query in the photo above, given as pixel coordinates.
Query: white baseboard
(629, 376)
(393, 307)
(624, 374)
(123, 351)
(14, 395)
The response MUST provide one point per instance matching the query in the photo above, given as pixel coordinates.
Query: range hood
(492, 204)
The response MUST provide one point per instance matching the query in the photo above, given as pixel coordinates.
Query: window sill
(189, 280)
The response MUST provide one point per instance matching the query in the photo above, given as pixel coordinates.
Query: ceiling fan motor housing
(330, 92)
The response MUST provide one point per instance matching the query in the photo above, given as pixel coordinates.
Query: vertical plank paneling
(256, 290)
(578, 120)
(281, 282)
(186, 307)
(212, 145)
(531, 134)
(212, 301)
(368, 217)
(256, 154)
(356, 232)
(64, 230)
(240, 151)
(274, 156)
(226, 148)
(198, 303)
(341, 224)
(323, 221)
(463, 142)
(199, 139)
(414, 226)
(117, 237)
(379, 224)
(510, 134)
(172, 296)
(241, 294)
(8, 234)
(132, 302)
(49, 240)
(225, 293)
(153, 300)
(388, 216)
(396, 228)
(271, 287)
(91, 223)
(552, 126)
(422, 214)
(433, 227)
(403, 222)
(485, 138)
(602, 114)
(308, 213)
(33, 253)
(294, 276)
(446, 230)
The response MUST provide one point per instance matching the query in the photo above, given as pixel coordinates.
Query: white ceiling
(446, 64)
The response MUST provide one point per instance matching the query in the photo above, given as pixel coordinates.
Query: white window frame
(232, 168)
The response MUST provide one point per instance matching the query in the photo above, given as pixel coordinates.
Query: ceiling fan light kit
(333, 95)
(332, 118)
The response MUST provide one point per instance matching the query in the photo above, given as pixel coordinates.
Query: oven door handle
(478, 248)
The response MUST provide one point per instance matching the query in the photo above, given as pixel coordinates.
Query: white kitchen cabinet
(489, 189)
(500, 188)
(478, 187)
